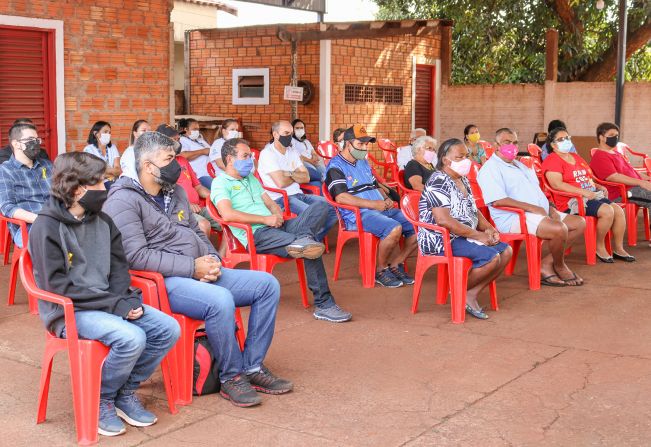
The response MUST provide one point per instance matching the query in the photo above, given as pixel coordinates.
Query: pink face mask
(461, 167)
(510, 151)
(429, 156)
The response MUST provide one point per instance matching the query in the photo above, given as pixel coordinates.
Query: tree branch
(567, 15)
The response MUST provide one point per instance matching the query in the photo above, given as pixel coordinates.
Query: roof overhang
(214, 3)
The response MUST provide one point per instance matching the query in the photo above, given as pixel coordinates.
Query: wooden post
(187, 71)
(294, 78)
(551, 55)
(446, 54)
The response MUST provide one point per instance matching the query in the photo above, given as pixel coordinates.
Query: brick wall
(116, 56)
(215, 53)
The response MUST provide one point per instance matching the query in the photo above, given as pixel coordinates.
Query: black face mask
(612, 141)
(285, 140)
(32, 149)
(169, 175)
(93, 200)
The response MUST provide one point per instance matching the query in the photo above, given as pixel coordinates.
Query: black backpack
(205, 378)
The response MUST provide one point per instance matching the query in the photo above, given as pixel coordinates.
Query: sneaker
(240, 392)
(387, 279)
(109, 423)
(264, 381)
(399, 272)
(333, 314)
(305, 247)
(130, 409)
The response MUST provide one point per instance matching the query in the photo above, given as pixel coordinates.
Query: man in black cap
(350, 182)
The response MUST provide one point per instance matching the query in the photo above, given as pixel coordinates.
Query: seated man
(77, 252)
(507, 182)
(405, 154)
(24, 179)
(239, 197)
(280, 166)
(350, 182)
(6, 152)
(160, 233)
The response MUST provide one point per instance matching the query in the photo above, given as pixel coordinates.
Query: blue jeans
(215, 304)
(317, 173)
(137, 346)
(298, 203)
(275, 240)
(206, 181)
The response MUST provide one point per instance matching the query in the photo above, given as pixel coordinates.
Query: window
(382, 94)
(251, 86)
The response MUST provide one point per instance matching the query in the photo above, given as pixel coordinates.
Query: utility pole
(621, 61)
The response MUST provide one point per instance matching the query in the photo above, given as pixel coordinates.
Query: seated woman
(128, 159)
(568, 172)
(471, 139)
(100, 145)
(77, 252)
(229, 128)
(421, 166)
(311, 160)
(448, 202)
(195, 149)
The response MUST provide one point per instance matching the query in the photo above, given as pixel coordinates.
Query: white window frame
(239, 72)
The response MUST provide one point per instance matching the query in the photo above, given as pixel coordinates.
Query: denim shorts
(380, 224)
(592, 206)
(479, 254)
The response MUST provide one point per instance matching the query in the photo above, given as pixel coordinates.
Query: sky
(256, 14)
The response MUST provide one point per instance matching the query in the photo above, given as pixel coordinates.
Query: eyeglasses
(567, 138)
(30, 140)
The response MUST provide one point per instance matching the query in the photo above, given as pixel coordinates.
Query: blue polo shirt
(499, 180)
(354, 178)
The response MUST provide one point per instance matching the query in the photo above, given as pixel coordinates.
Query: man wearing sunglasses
(6, 152)
(24, 178)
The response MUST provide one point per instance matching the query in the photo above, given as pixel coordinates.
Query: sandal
(545, 281)
(573, 278)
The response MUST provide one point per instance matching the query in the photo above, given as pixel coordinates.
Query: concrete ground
(559, 366)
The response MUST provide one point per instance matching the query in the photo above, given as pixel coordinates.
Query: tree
(503, 41)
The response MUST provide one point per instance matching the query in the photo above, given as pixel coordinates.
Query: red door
(424, 104)
(27, 82)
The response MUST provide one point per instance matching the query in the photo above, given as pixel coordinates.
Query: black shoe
(608, 260)
(627, 258)
(240, 392)
(265, 382)
(399, 272)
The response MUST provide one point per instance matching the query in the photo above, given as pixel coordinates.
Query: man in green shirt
(239, 197)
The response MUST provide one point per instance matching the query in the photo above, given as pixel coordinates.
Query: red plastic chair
(401, 183)
(211, 169)
(4, 240)
(236, 253)
(452, 270)
(625, 150)
(386, 144)
(367, 243)
(488, 148)
(86, 359)
(328, 150)
(387, 167)
(13, 275)
(534, 150)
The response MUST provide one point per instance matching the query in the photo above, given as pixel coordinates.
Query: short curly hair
(75, 169)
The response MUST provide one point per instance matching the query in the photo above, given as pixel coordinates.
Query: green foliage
(503, 41)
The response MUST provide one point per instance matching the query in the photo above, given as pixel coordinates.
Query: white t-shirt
(271, 160)
(404, 156)
(200, 163)
(111, 153)
(305, 149)
(216, 154)
(128, 163)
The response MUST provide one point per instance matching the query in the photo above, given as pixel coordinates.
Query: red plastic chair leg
(590, 236)
(341, 241)
(418, 282)
(368, 259)
(647, 228)
(51, 348)
(631, 221)
(442, 284)
(533, 261)
(300, 268)
(515, 245)
(239, 331)
(13, 276)
(459, 285)
(492, 288)
(327, 244)
(183, 358)
(609, 247)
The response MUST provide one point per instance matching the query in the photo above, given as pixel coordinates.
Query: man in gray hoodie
(160, 233)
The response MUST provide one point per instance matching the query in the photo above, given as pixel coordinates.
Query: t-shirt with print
(272, 160)
(245, 195)
(604, 164)
(188, 181)
(578, 175)
(442, 192)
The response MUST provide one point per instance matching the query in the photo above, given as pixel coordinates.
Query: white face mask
(461, 167)
(233, 134)
(341, 145)
(194, 134)
(300, 133)
(105, 138)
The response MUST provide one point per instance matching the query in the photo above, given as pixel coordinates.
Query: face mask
(105, 138)
(243, 167)
(32, 149)
(93, 200)
(285, 140)
(194, 134)
(564, 146)
(612, 141)
(358, 154)
(510, 151)
(341, 145)
(429, 156)
(169, 175)
(474, 137)
(461, 167)
(300, 133)
(233, 134)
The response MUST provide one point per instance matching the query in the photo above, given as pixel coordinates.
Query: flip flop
(573, 278)
(546, 281)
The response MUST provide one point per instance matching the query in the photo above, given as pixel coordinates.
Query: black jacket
(81, 260)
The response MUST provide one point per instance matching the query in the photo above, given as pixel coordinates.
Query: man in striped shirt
(350, 182)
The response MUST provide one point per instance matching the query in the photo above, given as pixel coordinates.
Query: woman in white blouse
(195, 149)
(100, 145)
(228, 129)
(312, 161)
(128, 159)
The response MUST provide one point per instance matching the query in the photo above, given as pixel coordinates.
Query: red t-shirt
(604, 164)
(577, 174)
(188, 181)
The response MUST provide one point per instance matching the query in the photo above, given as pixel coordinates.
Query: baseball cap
(358, 132)
(167, 130)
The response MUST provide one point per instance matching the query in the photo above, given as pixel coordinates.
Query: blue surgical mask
(243, 167)
(564, 146)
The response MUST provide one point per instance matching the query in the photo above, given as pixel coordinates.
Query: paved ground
(566, 367)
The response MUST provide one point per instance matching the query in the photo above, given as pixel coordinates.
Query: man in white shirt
(404, 152)
(195, 149)
(280, 166)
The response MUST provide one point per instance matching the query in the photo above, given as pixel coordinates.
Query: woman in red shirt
(568, 172)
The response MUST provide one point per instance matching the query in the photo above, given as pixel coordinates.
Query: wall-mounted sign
(293, 93)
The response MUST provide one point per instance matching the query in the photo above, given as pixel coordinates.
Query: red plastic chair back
(211, 169)
(647, 165)
(327, 149)
(534, 150)
(488, 148)
(401, 182)
(386, 144)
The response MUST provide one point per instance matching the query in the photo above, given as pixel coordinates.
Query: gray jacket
(154, 240)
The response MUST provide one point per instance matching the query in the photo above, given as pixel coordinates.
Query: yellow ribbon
(180, 215)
